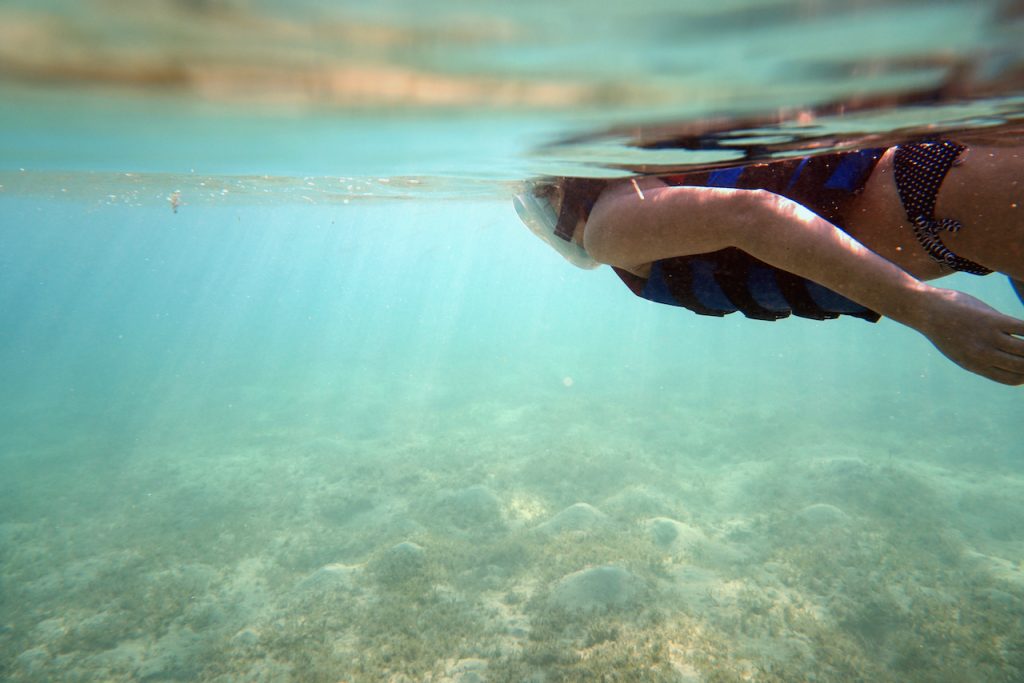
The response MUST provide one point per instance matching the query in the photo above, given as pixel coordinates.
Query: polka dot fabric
(920, 169)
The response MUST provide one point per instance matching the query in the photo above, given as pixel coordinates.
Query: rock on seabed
(578, 517)
(596, 588)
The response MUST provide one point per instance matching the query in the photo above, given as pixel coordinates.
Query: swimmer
(854, 233)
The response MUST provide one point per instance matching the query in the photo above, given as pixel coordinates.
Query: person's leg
(985, 192)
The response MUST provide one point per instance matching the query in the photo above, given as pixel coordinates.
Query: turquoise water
(334, 415)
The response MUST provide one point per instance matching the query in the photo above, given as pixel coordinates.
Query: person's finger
(1015, 326)
(1008, 363)
(1009, 344)
(1004, 377)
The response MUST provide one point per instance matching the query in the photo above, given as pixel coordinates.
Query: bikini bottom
(920, 169)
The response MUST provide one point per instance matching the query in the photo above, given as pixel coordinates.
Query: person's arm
(632, 225)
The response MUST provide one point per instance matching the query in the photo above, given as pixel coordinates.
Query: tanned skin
(877, 262)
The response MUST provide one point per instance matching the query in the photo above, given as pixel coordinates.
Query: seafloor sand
(513, 543)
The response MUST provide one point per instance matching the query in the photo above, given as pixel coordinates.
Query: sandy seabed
(513, 543)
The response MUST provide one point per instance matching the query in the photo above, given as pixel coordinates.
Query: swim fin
(1018, 287)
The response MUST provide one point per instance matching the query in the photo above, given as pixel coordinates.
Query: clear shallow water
(219, 425)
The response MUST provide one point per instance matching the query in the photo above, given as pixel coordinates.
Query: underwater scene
(288, 392)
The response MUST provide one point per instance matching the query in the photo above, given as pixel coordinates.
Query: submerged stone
(595, 589)
(670, 533)
(400, 563)
(821, 515)
(474, 506)
(247, 637)
(578, 517)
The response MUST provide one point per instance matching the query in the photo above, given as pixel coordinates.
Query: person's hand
(975, 336)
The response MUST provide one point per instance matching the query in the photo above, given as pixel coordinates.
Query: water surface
(288, 394)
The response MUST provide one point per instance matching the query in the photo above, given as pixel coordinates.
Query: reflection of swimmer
(789, 237)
